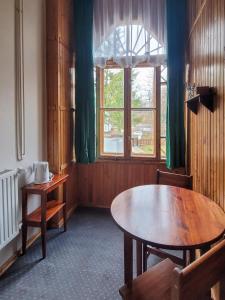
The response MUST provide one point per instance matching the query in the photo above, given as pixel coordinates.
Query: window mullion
(127, 112)
(158, 111)
(100, 101)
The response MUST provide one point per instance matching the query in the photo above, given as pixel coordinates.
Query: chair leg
(192, 255)
(185, 258)
(145, 257)
(139, 258)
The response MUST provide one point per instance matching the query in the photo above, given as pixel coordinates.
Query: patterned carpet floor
(85, 263)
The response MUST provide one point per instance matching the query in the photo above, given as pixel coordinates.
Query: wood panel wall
(207, 67)
(59, 60)
(100, 182)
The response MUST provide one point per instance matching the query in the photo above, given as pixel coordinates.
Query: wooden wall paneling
(222, 102)
(59, 53)
(206, 54)
(99, 183)
(223, 84)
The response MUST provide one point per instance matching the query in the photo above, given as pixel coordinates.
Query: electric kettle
(41, 172)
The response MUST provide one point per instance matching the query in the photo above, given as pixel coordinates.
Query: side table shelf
(48, 209)
(52, 208)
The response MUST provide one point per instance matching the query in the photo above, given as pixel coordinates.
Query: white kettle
(41, 172)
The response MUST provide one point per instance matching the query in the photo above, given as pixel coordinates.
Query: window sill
(122, 160)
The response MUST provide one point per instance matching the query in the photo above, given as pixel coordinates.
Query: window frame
(127, 155)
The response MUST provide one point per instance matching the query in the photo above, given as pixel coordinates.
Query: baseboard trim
(90, 205)
(14, 257)
(8, 263)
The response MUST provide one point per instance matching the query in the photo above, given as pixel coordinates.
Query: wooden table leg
(43, 224)
(65, 208)
(24, 223)
(139, 257)
(43, 240)
(24, 238)
(128, 260)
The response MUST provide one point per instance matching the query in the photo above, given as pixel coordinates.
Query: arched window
(128, 45)
(129, 55)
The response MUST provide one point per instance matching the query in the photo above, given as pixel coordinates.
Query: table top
(46, 187)
(168, 217)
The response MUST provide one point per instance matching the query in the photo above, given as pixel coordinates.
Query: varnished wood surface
(196, 280)
(46, 187)
(180, 180)
(152, 285)
(166, 281)
(168, 217)
(59, 60)
(206, 141)
(52, 208)
(58, 63)
(47, 209)
(100, 182)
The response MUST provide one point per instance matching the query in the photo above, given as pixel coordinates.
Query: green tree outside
(114, 97)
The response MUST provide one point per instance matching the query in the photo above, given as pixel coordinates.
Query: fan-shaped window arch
(129, 45)
(129, 32)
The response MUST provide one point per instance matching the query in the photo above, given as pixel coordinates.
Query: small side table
(47, 210)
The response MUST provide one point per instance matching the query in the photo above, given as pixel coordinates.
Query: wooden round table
(166, 217)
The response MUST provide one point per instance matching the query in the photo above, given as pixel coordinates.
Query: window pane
(143, 92)
(113, 88)
(163, 148)
(143, 133)
(163, 73)
(163, 110)
(113, 132)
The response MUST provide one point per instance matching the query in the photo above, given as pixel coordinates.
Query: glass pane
(95, 81)
(72, 87)
(163, 110)
(143, 92)
(143, 133)
(163, 148)
(113, 88)
(163, 73)
(128, 41)
(113, 132)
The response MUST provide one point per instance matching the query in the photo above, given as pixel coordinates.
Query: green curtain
(85, 141)
(176, 41)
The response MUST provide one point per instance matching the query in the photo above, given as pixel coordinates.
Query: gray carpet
(84, 263)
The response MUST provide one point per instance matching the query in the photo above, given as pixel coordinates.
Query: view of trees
(142, 121)
(114, 95)
(114, 98)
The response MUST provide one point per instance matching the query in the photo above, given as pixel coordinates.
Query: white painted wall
(34, 78)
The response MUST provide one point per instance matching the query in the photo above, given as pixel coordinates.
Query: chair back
(195, 281)
(173, 179)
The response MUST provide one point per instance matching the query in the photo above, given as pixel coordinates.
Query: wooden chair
(173, 179)
(166, 281)
(184, 181)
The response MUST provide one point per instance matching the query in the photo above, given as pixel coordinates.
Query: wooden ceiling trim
(203, 5)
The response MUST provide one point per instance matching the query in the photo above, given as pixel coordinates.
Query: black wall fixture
(205, 96)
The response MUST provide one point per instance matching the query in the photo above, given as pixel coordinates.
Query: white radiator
(9, 211)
